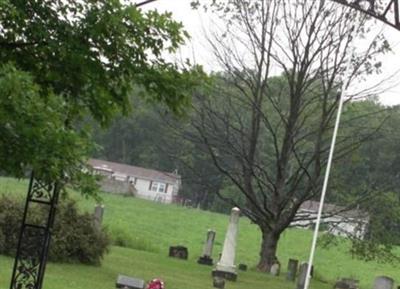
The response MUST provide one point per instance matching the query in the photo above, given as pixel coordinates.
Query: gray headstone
(98, 215)
(301, 280)
(208, 246)
(346, 283)
(179, 252)
(292, 269)
(275, 269)
(129, 282)
(218, 282)
(383, 282)
(206, 258)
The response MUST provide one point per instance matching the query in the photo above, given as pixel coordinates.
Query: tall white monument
(226, 266)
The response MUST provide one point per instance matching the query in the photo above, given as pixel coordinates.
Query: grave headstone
(98, 216)
(226, 266)
(292, 269)
(242, 267)
(218, 282)
(129, 282)
(383, 282)
(346, 283)
(206, 258)
(179, 252)
(301, 280)
(275, 269)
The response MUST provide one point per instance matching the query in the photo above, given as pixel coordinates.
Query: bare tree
(268, 134)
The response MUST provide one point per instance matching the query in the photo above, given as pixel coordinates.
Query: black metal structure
(34, 239)
(144, 3)
(387, 11)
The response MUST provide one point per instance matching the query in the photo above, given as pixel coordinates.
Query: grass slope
(176, 273)
(149, 229)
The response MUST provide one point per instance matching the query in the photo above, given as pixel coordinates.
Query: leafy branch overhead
(74, 59)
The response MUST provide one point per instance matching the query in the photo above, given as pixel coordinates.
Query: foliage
(63, 61)
(383, 229)
(368, 177)
(33, 131)
(74, 237)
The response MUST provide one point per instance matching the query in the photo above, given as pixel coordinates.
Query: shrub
(74, 237)
(10, 220)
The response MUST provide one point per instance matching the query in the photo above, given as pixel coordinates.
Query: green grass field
(148, 229)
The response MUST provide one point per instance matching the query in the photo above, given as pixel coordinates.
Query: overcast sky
(196, 22)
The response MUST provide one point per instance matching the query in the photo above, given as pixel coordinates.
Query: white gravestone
(98, 216)
(383, 282)
(226, 266)
(125, 282)
(206, 258)
(275, 269)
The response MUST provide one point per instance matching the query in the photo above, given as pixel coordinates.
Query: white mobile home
(141, 182)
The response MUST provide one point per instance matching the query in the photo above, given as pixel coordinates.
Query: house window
(158, 187)
(161, 187)
(132, 180)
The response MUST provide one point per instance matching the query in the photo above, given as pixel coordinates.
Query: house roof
(313, 206)
(134, 171)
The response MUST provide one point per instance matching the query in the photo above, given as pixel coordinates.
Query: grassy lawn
(148, 229)
(177, 274)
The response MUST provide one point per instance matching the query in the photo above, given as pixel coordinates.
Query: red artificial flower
(155, 284)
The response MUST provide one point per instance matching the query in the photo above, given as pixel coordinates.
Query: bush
(74, 237)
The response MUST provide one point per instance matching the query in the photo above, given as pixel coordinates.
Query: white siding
(337, 225)
(144, 192)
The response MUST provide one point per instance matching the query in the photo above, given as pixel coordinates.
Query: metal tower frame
(387, 11)
(34, 239)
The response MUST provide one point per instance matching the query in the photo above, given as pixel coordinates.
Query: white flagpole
(328, 167)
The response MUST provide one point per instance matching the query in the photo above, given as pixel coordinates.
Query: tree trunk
(269, 246)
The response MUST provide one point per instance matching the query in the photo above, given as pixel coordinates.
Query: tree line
(258, 139)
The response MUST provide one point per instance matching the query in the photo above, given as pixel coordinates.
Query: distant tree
(151, 137)
(371, 171)
(64, 60)
(375, 164)
(269, 135)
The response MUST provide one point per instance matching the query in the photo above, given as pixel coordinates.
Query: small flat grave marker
(126, 282)
(346, 283)
(179, 252)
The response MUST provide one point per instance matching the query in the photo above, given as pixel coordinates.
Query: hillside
(148, 229)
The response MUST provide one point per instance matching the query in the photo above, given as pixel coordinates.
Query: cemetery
(136, 153)
(144, 253)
